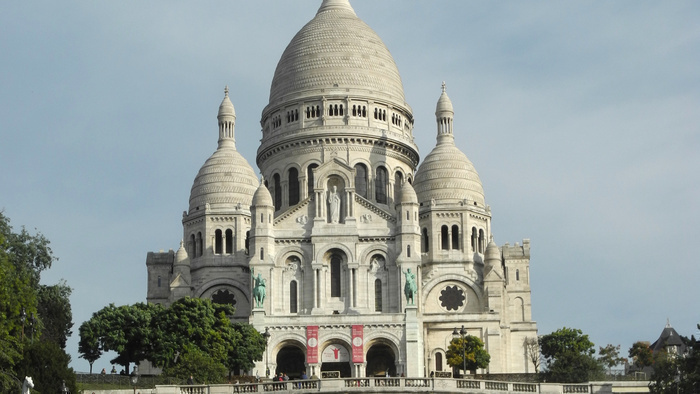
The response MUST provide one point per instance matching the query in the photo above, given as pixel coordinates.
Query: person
(304, 376)
(190, 380)
(104, 372)
(258, 289)
(410, 287)
(334, 203)
(285, 377)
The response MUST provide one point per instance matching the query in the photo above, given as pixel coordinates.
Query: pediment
(179, 281)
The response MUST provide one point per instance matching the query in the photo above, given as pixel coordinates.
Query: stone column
(414, 343)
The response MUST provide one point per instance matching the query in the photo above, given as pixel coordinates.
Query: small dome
(262, 197)
(444, 104)
(336, 49)
(226, 107)
(181, 254)
(408, 195)
(224, 181)
(448, 175)
(492, 252)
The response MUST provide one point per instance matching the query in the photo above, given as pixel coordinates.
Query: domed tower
(336, 95)
(455, 221)
(215, 228)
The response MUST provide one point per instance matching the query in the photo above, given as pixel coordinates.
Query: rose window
(452, 298)
(224, 297)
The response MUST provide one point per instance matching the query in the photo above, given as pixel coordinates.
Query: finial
(444, 86)
(668, 323)
(262, 179)
(491, 238)
(226, 91)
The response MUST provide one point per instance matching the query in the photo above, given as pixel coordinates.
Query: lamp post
(267, 336)
(462, 334)
(23, 318)
(135, 377)
(64, 389)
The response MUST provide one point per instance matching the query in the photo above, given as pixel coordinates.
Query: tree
(677, 373)
(641, 354)
(470, 348)
(125, 329)
(250, 348)
(568, 355)
(23, 257)
(195, 362)
(47, 364)
(55, 313)
(609, 356)
(532, 350)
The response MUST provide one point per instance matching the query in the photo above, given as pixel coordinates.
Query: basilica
(349, 253)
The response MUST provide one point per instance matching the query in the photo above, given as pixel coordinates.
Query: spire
(227, 122)
(330, 5)
(444, 115)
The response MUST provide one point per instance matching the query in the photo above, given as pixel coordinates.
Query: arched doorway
(290, 360)
(380, 360)
(336, 358)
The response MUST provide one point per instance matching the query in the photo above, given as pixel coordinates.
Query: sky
(582, 119)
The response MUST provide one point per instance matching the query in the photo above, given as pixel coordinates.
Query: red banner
(312, 344)
(358, 348)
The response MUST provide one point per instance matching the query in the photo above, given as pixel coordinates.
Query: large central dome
(336, 50)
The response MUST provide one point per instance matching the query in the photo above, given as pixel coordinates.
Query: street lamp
(462, 334)
(64, 389)
(267, 336)
(135, 377)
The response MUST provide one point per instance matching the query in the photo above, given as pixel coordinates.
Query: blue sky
(582, 119)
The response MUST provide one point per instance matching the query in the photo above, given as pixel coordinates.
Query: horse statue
(410, 288)
(27, 384)
(258, 289)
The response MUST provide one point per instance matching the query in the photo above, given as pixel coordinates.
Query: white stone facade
(343, 213)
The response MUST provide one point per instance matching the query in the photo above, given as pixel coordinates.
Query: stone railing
(399, 385)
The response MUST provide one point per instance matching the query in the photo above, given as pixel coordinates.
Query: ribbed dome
(447, 175)
(262, 197)
(408, 195)
(336, 50)
(224, 180)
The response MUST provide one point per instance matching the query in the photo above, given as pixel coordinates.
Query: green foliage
(89, 345)
(47, 364)
(55, 313)
(23, 257)
(470, 348)
(250, 348)
(568, 355)
(677, 373)
(642, 354)
(195, 362)
(609, 356)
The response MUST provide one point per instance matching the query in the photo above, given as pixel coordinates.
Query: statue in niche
(410, 288)
(334, 205)
(258, 289)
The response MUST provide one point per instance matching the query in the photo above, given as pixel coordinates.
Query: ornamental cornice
(376, 239)
(292, 241)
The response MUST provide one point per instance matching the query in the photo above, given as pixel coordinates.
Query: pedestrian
(190, 380)
(285, 377)
(304, 376)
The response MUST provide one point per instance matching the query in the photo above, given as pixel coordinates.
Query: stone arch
(442, 366)
(518, 309)
(289, 353)
(342, 365)
(285, 252)
(321, 253)
(239, 290)
(467, 282)
(387, 341)
(366, 255)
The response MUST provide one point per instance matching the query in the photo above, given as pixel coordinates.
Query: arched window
(378, 295)
(361, 180)
(425, 245)
(193, 246)
(335, 276)
(380, 185)
(475, 238)
(481, 241)
(408, 250)
(159, 280)
(278, 191)
(293, 186)
(199, 244)
(438, 361)
(293, 297)
(218, 241)
(517, 275)
(455, 237)
(262, 254)
(229, 241)
(398, 182)
(445, 238)
(310, 178)
(247, 242)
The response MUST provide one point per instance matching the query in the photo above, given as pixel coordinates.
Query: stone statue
(258, 289)
(334, 203)
(27, 384)
(410, 288)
